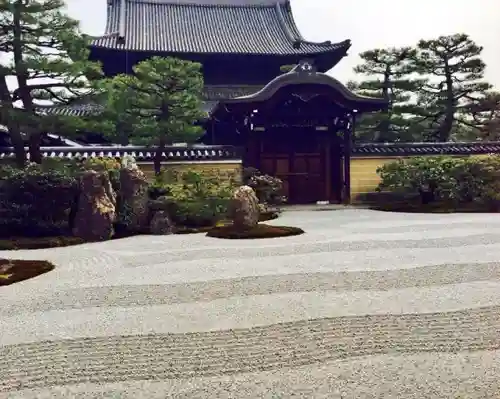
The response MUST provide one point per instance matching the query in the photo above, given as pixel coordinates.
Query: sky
(369, 24)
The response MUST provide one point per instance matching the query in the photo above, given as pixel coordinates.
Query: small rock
(161, 224)
(162, 203)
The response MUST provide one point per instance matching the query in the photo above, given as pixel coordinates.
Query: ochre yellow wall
(364, 177)
(219, 170)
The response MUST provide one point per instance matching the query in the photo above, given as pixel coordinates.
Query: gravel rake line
(170, 356)
(169, 294)
(141, 260)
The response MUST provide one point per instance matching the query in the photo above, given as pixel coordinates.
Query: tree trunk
(22, 80)
(34, 147)
(447, 125)
(6, 112)
(157, 159)
(383, 134)
(18, 145)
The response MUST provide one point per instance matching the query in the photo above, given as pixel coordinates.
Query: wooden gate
(300, 159)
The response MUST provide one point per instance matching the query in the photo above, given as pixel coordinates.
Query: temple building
(298, 126)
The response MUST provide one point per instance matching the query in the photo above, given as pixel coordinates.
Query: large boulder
(96, 210)
(244, 208)
(161, 223)
(133, 200)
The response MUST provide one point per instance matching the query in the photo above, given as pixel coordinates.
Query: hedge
(455, 180)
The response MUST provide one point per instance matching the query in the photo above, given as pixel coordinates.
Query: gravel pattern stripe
(364, 305)
(147, 295)
(424, 376)
(172, 356)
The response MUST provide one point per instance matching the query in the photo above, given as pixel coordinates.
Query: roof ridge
(215, 3)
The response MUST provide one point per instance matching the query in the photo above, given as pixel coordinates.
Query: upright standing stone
(244, 208)
(133, 200)
(96, 211)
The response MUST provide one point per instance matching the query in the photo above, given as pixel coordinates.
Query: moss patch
(13, 270)
(223, 223)
(38, 243)
(259, 231)
(271, 215)
(431, 208)
(192, 230)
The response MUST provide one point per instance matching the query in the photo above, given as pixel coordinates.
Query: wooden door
(298, 159)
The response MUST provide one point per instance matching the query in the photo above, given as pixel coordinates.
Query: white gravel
(159, 290)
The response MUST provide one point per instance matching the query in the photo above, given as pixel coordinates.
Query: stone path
(364, 305)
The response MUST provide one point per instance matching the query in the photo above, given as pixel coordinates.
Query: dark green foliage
(435, 89)
(195, 200)
(158, 105)
(259, 231)
(267, 188)
(485, 114)
(387, 76)
(36, 201)
(456, 73)
(49, 62)
(38, 242)
(449, 180)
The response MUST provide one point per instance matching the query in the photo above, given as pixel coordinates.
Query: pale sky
(369, 24)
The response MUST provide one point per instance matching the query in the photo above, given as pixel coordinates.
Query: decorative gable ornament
(306, 66)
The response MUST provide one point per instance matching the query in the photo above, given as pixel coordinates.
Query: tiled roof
(224, 92)
(214, 152)
(79, 110)
(208, 26)
(211, 93)
(416, 149)
(141, 154)
(306, 73)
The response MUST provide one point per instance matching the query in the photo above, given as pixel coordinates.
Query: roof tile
(402, 149)
(141, 154)
(209, 26)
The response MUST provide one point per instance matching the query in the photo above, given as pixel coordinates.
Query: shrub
(196, 200)
(36, 201)
(267, 188)
(445, 179)
(110, 165)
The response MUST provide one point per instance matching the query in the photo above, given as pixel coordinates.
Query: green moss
(14, 270)
(192, 230)
(265, 216)
(437, 207)
(259, 231)
(38, 243)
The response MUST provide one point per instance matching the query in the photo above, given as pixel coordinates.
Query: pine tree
(486, 116)
(49, 62)
(455, 71)
(161, 102)
(387, 76)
